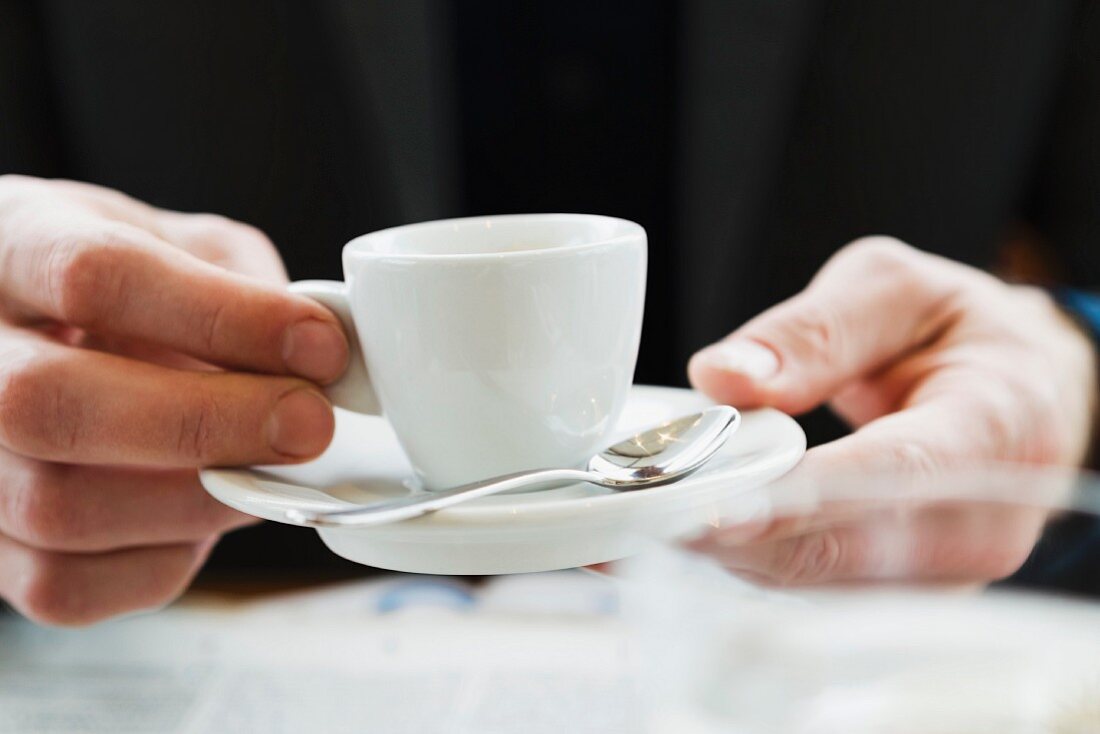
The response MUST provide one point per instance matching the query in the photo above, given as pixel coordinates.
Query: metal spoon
(655, 456)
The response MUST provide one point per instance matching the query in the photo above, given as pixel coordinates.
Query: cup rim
(358, 247)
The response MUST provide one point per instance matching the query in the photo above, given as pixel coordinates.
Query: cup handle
(353, 391)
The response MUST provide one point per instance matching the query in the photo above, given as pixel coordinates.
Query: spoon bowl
(666, 452)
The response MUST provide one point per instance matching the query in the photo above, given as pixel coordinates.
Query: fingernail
(301, 424)
(743, 356)
(315, 350)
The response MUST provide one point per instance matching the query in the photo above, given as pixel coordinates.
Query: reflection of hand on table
(936, 365)
(119, 325)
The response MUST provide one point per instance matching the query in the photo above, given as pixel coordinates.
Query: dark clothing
(750, 138)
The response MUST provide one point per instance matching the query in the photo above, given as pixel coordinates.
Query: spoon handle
(406, 508)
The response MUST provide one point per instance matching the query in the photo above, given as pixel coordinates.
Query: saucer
(541, 530)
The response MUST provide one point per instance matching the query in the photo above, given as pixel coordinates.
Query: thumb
(874, 301)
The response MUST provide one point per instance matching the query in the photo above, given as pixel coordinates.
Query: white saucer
(540, 530)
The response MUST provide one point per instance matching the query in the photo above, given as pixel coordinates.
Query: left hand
(936, 365)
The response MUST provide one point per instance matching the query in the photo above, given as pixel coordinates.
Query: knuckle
(15, 180)
(18, 186)
(887, 261)
(812, 328)
(51, 589)
(879, 252)
(164, 577)
(1004, 414)
(216, 233)
(36, 413)
(198, 428)
(48, 597)
(810, 559)
(16, 379)
(1020, 419)
(41, 515)
(87, 275)
(28, 195)
(210, 327)
(221, 226)
(913, 457)
(905, 457)
(255, 236)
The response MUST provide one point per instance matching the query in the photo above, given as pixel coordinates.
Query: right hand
(939, 368)
(135, 345)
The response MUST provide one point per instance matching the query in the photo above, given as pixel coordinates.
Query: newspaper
(401, 655)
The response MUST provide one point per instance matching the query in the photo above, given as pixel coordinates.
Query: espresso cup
(491, 344)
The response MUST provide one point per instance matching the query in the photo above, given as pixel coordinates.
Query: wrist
(1083, 309)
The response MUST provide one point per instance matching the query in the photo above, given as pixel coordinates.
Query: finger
(73, 590)
(872, 302)
(873, 469)
(822, 556)
(82, 509)
(944, 447)
(231, 245)
(67, 405)
(956, 419)
(213, 238)
(141, 351)
(112, 277)
(955, 542)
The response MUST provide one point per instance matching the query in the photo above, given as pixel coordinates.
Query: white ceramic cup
(491, 344)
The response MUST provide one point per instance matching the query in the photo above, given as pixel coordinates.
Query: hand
(936, 365)
(132, 342)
